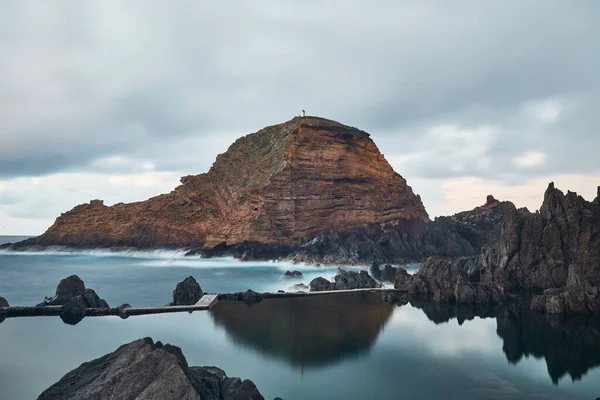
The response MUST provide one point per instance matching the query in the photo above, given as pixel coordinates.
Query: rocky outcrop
(71, 292)
(3, 302)
(249, 297)
(187, 292)
(280, 184)
(389, 273)
(444, 281)
(149, 370)
(549, 259)
(75, 299)
(320, 285)
(293, 274)
(345, 280)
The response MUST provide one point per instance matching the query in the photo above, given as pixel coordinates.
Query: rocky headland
(314, 190)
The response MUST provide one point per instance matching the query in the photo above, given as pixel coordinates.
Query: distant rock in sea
(144, 369)
(187, 292)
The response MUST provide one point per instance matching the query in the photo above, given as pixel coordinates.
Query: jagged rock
(320, 285)
(345, 280)
(249, 297)
(148, 370)
(187, 292)
(445, 281)
(375, 271)
(72, 291)
(293, 274)
(389, 273)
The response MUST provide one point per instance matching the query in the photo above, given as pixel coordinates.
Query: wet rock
(3, 302)
(187, 292)
(375, 271)
(148, 370)
(300, 287)
(72, 291)
(293, 274)
(320, 284)
(121, 310)
(346, 280)
(447, 282)
(249, 297)
(389, 273)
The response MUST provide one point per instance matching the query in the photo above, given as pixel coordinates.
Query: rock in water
(293, 274)
(389, 274)
(146, 370)
(187, 292)
(73, 290)
(346, 280)
(274, 186)
(375, 271)
(3, 303)
(320, 285)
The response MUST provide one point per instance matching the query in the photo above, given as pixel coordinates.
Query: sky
(117, 100)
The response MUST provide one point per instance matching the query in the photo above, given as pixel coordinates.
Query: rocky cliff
(550, 259)
(282, 183)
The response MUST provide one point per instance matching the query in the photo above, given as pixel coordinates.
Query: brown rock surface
(286, 181)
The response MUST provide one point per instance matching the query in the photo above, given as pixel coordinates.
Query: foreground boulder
(147, 370)
(187, 292)
(346, 280)
(73, 290)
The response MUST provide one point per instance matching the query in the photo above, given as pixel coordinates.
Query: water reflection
(317, 331)
(306, 332)
(568, 345)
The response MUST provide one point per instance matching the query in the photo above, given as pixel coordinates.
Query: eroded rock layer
(284, 182)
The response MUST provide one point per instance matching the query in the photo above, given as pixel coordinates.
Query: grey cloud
(171, 83)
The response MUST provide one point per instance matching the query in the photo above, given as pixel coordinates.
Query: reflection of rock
(148, 370)
(306, 331)
(569, 345)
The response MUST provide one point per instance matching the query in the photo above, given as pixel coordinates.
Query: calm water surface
(346, 347)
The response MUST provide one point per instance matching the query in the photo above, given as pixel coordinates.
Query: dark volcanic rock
(389, 273)
(320, 284)
(3, 302)
(293, 274)
(187, 292)
(444, 281)
(375, 271)
(249, 297)
(345, 280)
(300, 287)
(146, 370)
(71, 291)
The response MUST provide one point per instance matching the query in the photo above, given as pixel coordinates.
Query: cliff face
(282, 183)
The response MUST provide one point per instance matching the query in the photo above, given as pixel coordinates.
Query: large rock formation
(284, 182)
(146, 370)
(550, 258)
(3, 302)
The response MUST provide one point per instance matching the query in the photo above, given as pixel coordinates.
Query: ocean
(342, 347)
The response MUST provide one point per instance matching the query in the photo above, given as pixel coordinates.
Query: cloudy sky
(117, 100)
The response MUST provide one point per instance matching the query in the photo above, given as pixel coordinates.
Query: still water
(342, 347)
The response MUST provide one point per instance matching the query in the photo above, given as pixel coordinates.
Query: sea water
(339, 347)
